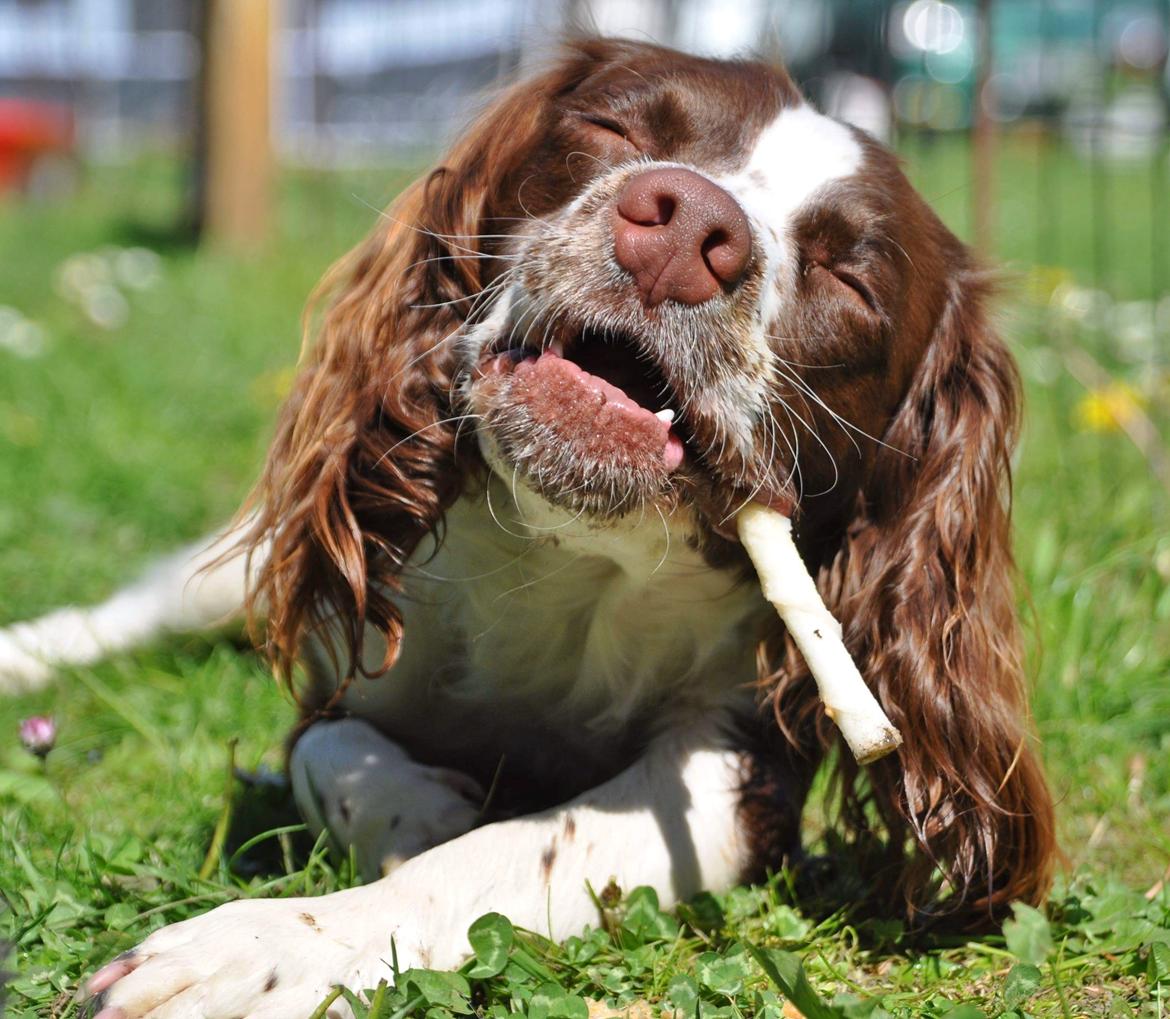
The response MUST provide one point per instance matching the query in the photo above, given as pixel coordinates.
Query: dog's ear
(363, 464)
(928, 593)
(924, 587)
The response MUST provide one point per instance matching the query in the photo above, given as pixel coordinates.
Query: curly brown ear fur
(363, 464)
(924, 586)
(334, 508)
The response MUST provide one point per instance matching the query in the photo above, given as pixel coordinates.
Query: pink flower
(38, 734)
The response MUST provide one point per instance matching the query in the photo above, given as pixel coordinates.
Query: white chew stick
(767, 536)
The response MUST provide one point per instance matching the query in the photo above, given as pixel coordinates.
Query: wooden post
(235, 164)
(983, 148)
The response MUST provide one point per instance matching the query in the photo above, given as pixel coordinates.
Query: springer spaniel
(641, 291)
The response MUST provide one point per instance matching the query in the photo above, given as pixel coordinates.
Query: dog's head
(691, 274)
(643, 278)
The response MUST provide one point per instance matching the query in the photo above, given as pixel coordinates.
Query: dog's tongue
(595, 416)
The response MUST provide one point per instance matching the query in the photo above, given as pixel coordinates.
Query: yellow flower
(1041, 282)
(1109, 409)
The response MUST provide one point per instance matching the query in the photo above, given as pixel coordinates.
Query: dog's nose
(680, 235)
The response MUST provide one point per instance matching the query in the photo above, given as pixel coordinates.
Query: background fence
(1083, 81)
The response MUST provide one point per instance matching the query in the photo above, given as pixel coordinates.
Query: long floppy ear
(929, 596)
(335, 506)
(924, 586)
(363, 464)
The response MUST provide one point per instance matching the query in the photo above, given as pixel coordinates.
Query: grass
(116, 445)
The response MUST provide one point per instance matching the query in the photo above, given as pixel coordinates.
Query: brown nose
(680, 235)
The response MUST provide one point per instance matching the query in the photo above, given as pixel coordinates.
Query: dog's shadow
(266, 835)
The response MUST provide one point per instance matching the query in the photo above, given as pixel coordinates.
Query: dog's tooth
(666, 414)
(557, 347)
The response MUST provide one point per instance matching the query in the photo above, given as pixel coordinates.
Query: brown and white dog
(642, 290)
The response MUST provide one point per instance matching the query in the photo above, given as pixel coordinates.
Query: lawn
(118, 443)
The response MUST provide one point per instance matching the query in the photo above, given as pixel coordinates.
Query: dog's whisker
(817, 436)
(419, 431)
(528, 584)
(807, 393)
(430, 260)
(498, 522)
(666, 534)
(843, 422)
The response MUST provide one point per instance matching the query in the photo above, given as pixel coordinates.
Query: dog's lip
(549, 350)
(616, 412)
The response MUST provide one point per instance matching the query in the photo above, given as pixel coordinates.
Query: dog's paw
(260, 959)
(372, 797)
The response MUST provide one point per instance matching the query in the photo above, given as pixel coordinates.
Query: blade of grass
(219, 836)
(329, 999)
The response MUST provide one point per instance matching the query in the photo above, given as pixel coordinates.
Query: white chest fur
(526, 611)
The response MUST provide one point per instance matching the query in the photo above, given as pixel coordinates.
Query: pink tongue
(592, 413)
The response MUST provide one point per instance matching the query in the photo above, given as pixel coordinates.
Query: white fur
(582, 625)
(622, 616)
(350, 780)
(668, 821)
(187, 592)
(795, 156)
(658, 623)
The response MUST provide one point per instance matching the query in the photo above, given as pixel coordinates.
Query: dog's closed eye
(608, 136)
(841, 282)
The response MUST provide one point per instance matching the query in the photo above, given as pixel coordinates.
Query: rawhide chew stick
(767, 536)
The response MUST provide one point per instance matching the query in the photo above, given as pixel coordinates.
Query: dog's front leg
(669, 821)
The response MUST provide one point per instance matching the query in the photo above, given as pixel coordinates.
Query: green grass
(117, 445)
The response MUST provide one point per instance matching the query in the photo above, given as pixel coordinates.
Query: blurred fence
(1065, 100)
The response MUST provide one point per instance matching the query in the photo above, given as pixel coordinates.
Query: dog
(495, 532)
